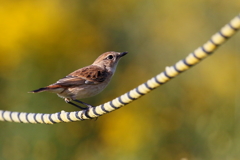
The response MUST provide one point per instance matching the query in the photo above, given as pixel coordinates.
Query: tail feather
(39, 90)
(53, 88)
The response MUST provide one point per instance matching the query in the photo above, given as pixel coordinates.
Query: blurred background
(194, 116)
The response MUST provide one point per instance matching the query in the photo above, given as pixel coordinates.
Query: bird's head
(109, 60)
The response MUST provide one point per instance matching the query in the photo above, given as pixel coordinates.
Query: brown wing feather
(88, 75)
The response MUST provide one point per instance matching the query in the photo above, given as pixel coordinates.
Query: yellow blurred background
(195, 116)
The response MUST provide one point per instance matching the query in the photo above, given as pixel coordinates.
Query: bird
(87, 81)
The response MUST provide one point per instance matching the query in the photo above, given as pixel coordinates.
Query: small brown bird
(87, 81)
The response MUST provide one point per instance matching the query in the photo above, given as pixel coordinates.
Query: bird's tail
(52, 88)
(39, 90)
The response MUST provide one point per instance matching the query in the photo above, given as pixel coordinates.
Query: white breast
(85, 90)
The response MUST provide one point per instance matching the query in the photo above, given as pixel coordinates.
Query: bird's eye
(110, 57)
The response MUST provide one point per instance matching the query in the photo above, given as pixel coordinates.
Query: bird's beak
(122, 54)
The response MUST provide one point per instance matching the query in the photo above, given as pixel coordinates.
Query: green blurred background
(195, 116)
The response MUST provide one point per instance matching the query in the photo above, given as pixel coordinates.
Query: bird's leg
(88, 105)
(68, 101)
(86, 110)
(83, 108)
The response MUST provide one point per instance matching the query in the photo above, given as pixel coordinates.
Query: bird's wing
(88, 75)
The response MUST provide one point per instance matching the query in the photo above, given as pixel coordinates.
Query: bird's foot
(67, 100)
(88, 105)
(86, 110)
